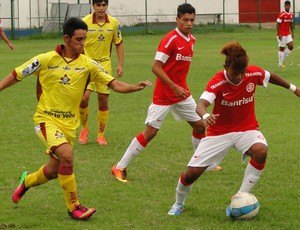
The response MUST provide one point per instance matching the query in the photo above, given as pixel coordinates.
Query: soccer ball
(243, 206)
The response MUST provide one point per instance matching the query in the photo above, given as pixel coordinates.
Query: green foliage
(143, 203)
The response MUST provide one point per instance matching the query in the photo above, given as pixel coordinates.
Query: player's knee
(260, 153)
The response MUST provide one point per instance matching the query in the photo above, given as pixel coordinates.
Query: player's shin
(182, 190)
(136, 146)
(37, 178)
(252, 175)
(67, 182)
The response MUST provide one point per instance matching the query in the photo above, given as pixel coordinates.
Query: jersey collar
(187, 38)
(95, 20)
(230, 82)
(59, 49)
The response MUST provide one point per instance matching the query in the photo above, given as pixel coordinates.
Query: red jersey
(176, 52)
(285, 19)
(234, 103)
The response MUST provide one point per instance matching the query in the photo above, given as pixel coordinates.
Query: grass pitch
(143, 203)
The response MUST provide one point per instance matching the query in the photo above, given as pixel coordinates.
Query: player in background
(4, 37)
(103, 33)
(285, 34)
(232, 122)
(171, 93)
(62, 75)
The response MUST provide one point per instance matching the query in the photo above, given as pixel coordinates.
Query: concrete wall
(128, 12)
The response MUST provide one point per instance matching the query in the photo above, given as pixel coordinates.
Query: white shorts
(184, 110)
(212, 149)
(284, 40)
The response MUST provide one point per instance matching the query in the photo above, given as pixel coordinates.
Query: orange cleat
(83, 136)
(120, 175)
(101, 140)
(81, 213)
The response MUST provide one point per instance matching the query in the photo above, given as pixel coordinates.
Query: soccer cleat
(282, 66)
(176, 209)
(120, 175)
(83, 136)
(228, 212)
(101, 140)
(81, 213)
(218, 168)
(20, 190)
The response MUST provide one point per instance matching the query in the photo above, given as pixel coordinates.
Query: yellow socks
(84, 113)
(103, 117)
(36, 178)
(67, 182)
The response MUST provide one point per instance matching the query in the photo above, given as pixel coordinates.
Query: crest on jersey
(58, 134)
(31, 68)
(65, 80)
(101, 38)
(250, 87)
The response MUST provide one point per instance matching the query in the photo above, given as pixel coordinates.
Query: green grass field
(143, 203)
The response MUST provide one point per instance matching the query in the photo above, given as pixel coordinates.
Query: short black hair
(99, 1)
(287, 3)
(72, 24)
(185, 8)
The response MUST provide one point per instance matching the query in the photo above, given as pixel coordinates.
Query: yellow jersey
(62, 83)
(100, 38)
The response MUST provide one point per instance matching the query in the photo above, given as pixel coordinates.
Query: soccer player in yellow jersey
(103, 33)
(62, 78)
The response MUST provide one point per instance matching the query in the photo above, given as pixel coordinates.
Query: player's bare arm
(8, 81)
(208, 119)
(161, 74)
(277, 80)
(278, 31)
(123, 87)
(120, 55)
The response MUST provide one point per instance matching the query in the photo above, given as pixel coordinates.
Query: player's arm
(123, 87)
(4, 37)
(206, 99)
(278, 30)
(292, 29)
(277, 80)
(120, 55)
(162, 75)
(8, 81)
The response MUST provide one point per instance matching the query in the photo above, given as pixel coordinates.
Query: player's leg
(281, 47)
(154, 120)
(210, 153)
(253, 144)
(67, 182)
(103, 117)
(289, 46)
(84, 113)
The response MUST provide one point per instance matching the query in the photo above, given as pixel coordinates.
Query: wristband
(292, 88)
(205, 116)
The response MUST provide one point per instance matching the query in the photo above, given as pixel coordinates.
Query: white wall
(127, 11)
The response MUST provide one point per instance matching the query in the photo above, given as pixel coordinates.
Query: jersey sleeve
(32, 66)
(98, 74)
(117, 34)
(165, 49)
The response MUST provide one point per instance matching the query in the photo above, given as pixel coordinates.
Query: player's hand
(297, 92)
(181, 92)
(119, 71)
(279, 37)
(142, 84)
(211, 120)
(10, 46)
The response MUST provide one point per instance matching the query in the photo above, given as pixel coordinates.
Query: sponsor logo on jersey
(243, 101)
(53, 67)
(66, 68)
(31, 68)
(180, 57)
(59, 135)
(170, 40)
(218, 84)
(79, 68)
(253, 74)
(59, 114)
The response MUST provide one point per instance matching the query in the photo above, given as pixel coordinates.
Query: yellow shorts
(94, 86)
(53, 135)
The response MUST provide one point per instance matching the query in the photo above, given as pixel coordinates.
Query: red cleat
(81, 213)
(20, 190)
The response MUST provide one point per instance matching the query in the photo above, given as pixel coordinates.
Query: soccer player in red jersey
(4, 37)
(232, 123)
(285, 33)
(171, 93)
(63, 75)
